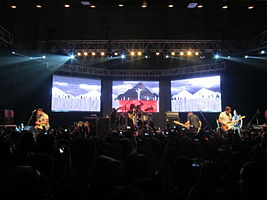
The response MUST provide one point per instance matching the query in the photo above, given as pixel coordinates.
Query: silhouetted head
(23, 182)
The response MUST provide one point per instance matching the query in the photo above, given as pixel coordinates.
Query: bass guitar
(230, 125)
(187, 126)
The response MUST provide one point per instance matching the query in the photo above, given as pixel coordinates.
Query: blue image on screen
(196, 94)
(75, 94)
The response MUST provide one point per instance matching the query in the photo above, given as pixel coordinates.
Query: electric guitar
(41, 125)
(229, 125)
(187, 126)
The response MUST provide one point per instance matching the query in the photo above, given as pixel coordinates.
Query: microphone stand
(30, 119)
(256, 113)
(205, 121)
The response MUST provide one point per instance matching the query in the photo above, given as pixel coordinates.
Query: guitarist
(238, 125)
(225, 118)
(42, 121)
(193, 122)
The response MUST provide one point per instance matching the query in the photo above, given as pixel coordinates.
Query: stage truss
(142, 45)
(80, 70)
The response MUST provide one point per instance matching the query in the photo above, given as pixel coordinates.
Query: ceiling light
(13, 6)
(196, 53)
(132, 53)
(181, 53)
(85, 53)
(224, 7)
(38, 6)
(139, 53)
(79, 54)
(250, 7)
(93, 6)
(200, 6)
(189, 53)
(173, 53)
(170, 5)
(102, 53)
(93, 53)
(120, 5)
(157, 53)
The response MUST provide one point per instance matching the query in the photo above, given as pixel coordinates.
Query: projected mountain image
(126, 93)
(197, 94)
(75, 94)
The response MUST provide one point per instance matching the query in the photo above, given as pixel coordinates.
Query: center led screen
(196, 94)
(143, 93)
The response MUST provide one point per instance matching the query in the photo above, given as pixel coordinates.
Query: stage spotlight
(262, 52)
(102, 53)
(120, 5)
(246, 56)
(139, 53)
(132, 53)
(170, 5)
(228, 56)
(173, 53)
(43, 57)
(93, 53)
(196, 53)
(13, 6)
(85, 3)
(192, 5)
(79, 54)
(157, 53)
(146, 56)
(116, 54)
(72, 56)
(225, 7)
(38, 6)
(200, 6)
(181, 53)
(144, 4)
(216, 56)
(122, 56)
(250, 7)
(13, 52)
(85, 53)
(189, 53)
(93, 6)
(30, 57)
(167, 56)
(66, 5)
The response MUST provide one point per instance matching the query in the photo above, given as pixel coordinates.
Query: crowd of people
(75, 163)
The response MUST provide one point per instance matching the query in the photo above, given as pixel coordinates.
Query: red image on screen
(143, 94)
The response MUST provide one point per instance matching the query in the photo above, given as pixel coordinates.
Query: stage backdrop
(144, 93)
(75, 94)
(196, 94)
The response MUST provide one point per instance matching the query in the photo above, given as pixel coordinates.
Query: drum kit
(142, 118)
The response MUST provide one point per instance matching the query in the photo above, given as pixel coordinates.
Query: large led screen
(75, 94)
(196, 94)
(143, 93)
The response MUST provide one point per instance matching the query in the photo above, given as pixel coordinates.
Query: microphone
(34, 111)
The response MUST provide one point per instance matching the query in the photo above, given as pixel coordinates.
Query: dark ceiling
(109, 21)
